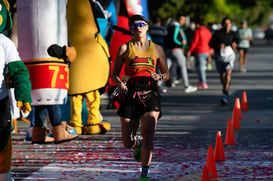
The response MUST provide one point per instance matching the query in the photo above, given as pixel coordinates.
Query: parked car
(258, 33)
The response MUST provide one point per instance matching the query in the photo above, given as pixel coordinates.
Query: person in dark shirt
(224, 42)
(158, 32)
(174, 43)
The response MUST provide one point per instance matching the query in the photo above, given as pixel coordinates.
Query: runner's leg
(148, 125)
(128, 127)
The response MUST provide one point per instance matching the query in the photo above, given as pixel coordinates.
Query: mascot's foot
(40, 135)
(78, 130)
(100, 128)
(6, 177)
(70, 129)
(61, 134)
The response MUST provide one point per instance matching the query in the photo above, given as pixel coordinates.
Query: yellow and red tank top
(140, 63)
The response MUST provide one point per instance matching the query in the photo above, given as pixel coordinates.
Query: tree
(257, 12)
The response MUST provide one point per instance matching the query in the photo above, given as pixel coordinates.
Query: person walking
(175, 41)
(139, 97)
(245, 36)
(224, 43)
(200, 48)
(158, 33)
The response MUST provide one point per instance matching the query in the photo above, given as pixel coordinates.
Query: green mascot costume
(13, 73)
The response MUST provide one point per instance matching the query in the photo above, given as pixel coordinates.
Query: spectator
(200, 46)
(212, 27)
(245, 36)
(158, 33)
(189, 31)
(175, 42)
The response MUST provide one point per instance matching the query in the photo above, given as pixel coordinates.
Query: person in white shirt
(245, 36)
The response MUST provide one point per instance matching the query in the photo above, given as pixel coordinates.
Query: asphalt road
(188, 126)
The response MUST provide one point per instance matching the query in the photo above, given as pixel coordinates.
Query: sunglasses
(135, 25)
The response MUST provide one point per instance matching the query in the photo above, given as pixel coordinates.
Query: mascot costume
(16, 76)
(90, 70)
(42, 23)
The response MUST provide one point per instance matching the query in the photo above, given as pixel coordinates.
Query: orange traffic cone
(205, 175)
(219, 154)
(230, 138)
(244, 102)
(210, 163)
(238, 105)
(236, 114)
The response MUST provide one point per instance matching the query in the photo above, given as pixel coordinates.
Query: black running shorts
(139, 102)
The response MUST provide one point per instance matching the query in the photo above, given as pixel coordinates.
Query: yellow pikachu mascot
(90, 70)
(17, 76)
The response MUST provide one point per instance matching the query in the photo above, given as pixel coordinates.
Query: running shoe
(190, 89)
(137, 152)
(202, 86)
(178, 81)
(224, 99)
(243, 70)
(205, 86)
(144, 179)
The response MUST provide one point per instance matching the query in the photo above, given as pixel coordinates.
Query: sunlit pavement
(188, 126)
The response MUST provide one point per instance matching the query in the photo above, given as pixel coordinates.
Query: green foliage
(256, 12)
(170, 9)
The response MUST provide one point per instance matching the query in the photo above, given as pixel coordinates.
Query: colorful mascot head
(5, 17)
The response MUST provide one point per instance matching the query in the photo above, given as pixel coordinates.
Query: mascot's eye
(0, 7)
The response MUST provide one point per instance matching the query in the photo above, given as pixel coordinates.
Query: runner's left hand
(155, 76)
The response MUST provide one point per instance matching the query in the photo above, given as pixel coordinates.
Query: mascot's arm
(20, 81)
(103, 44)
(66, 53)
